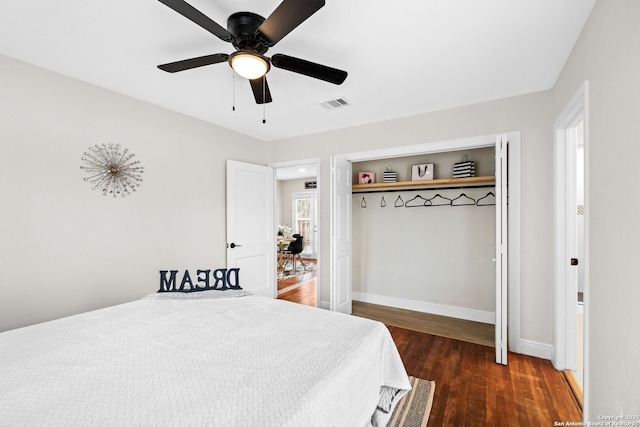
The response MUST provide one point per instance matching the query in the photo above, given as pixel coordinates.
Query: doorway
(297, 204)
(304, 222)
(571, 242)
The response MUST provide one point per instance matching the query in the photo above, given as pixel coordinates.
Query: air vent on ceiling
(335, 103)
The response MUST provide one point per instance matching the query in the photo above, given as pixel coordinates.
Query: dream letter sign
(221, 279)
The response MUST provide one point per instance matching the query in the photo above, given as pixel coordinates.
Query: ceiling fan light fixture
(249, 65)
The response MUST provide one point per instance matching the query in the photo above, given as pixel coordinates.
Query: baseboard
(427, 307)
(536, 349)
(325, 305)
(526, 347)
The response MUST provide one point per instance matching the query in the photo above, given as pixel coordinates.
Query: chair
(294, 249)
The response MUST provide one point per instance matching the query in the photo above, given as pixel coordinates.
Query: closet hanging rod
(434, 188)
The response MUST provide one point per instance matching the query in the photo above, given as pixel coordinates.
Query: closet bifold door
(501, 150)
(340, 229)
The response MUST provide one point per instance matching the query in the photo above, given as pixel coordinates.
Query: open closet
(427, 245)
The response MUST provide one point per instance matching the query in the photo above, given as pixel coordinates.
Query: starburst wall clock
(113, 171)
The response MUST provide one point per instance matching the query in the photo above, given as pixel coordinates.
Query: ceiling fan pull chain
(264, 103)
(233, 90)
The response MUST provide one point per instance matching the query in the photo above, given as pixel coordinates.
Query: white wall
(607, 55)
(440, 255)
(530, 114)
(66, 249)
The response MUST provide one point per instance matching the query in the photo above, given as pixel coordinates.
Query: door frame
(302, 162)
(513, 217)
(565, 301)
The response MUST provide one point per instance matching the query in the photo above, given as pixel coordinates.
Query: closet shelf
(457, 182)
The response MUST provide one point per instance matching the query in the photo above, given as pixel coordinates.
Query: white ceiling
(404, 57)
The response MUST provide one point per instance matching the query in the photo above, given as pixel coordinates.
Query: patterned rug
(288, 273)
(414, 408)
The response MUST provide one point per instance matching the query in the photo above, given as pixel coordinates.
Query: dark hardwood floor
(471, 389)
(305, 294)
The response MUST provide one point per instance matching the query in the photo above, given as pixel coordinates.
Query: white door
(572, 247)
(340, 235)
(569, 241)
(251, 227)
(303, 213)
(501, 250)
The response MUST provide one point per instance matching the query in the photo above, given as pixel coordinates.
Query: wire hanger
(399, 202)
(439, 201)
(363, 203)
(489, 200)
(420, 200)
(383, 202)
(464, 200)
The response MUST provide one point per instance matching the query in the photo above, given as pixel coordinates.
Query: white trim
(300, 162)
(527, 347)
(424, 148)
(427, 307)
(536, 349)
(312, 161)
(514, 171)
(513, 219)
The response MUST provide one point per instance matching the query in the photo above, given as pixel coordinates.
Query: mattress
(208, 358)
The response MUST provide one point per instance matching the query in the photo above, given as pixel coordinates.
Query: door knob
(233, 245)
(574, 261)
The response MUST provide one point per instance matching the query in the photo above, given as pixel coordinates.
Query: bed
(204, 358)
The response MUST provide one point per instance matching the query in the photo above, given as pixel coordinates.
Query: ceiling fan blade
(287, 16)
(188, 64)
(193, 14)
(261, 93)
(311, 69)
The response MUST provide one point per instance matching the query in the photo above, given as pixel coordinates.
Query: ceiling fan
(252, 35)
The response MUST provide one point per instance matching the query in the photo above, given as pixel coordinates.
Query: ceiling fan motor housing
(243, 26)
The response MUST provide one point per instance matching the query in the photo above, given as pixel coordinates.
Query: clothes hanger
(488, 202)
(363, 203)
(465, 200)
(383, 203)
(399, 202)
(421, 200)
(439, 201)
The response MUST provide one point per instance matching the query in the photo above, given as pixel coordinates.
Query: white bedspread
(244, 361)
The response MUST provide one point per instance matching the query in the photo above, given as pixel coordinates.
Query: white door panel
(501, 249)
(341, 235)
(250, 226)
